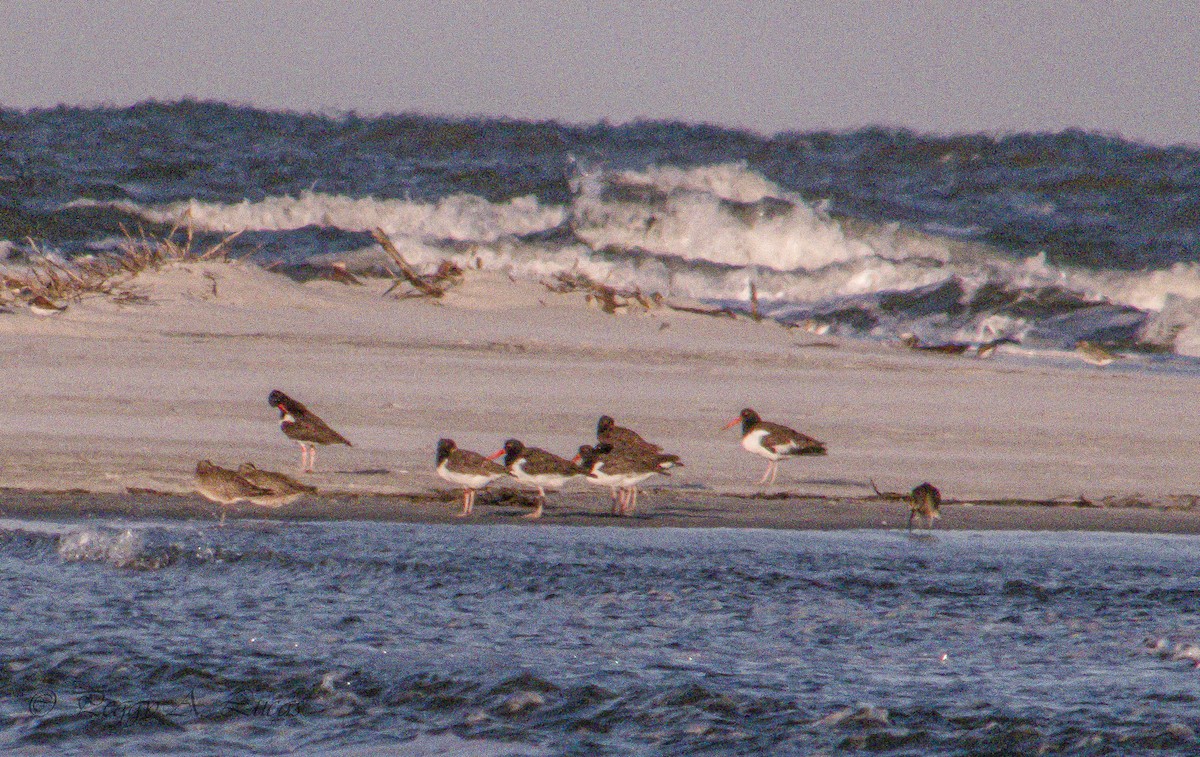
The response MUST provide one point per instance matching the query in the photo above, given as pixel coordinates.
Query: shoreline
(109, 398)
(661, 508)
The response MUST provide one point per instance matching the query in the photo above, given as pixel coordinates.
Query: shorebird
(43, 305)
(925, 500)
(303, 426)
(283, 489)
(773, 441)
(913, 342)
(470, 470)
(619, 438)
(536, 467)
(1094, 353)
(620, 470)
(224, 486)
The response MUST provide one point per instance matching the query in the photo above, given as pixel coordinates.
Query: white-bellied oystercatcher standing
(470, 470)
(773, 441)
(536, 467)
(621, 471)
(304, 427)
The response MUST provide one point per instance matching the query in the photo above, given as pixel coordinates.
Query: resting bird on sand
(621, 438)
(283, 489)
(536, 467)
(470, 470)
(773, 441)
(925, 501)
(224, 486)
(305, 427)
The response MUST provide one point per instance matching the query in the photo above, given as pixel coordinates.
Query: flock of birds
(620, 460)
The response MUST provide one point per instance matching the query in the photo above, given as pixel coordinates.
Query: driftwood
(720, 312)
(407, 273)
(610, 299)
(888, 495)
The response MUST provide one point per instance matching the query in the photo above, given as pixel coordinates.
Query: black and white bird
(470, 470)
(773, 441)
(541, 469)
(620, 470)
(304, 427)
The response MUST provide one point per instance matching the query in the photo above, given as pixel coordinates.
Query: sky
(1123, 67)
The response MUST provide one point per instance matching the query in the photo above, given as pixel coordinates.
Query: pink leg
(541, 501)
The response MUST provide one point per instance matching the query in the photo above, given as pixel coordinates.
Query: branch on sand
(435, 286)
(609, 299)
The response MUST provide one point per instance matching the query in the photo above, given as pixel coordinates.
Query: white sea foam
(699, 232)
(118, 548)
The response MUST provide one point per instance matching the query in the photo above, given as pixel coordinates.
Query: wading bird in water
(925, 501)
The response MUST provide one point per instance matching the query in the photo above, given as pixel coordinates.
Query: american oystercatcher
(284, 490)
(536, 467)
(303, 426)
(621, 438)
(773, 441)
(470, 470)
(621, 471)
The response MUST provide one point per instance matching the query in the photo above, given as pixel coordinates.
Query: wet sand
(662, 508)
(111, 398)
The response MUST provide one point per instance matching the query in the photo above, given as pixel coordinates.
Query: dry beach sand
(109, 398)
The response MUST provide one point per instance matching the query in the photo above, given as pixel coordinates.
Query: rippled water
(355, 637)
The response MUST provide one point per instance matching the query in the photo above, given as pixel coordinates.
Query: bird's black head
(606, 422)
(444, 448)
(749, 418)
(512, 450)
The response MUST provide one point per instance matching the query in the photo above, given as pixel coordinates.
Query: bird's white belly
(469, 480)
(544, 480)
(752, 442)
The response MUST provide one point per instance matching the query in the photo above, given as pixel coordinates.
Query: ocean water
(1043, 239)
(125, 637)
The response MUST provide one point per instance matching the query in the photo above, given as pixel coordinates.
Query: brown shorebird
(912, 342)
(43, 305)
(283, 489)
(470, 470)
(538, 468)
(1094, 353)
(925, 501)
(620, 470)
(773, 441)
(303, 426)
(224, 486)
(621, 438)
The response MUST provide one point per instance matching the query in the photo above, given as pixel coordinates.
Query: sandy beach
(108, 406)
